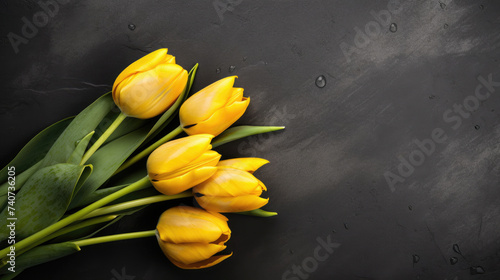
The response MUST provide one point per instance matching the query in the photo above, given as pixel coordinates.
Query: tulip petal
(250, 164)
(230, 182)
(221, 119)
(236, 95)
(177, 153)
(173, 79)
(203, 264)
(201, 105)
(145, 63)
(183, 182)
(149, 93)
(184, 224)
(231, 204)
(208, 158)
(188, 253)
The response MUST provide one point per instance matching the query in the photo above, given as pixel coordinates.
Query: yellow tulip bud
(182, 163)
(190, 237)
(232, 189)
(149, 86)
(214, 108)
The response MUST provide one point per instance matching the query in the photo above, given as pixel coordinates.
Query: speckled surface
(385, 92)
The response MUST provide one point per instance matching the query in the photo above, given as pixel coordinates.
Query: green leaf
(44, 199)
(107, 160)
(110, 157)
(42, 254)
(77, 154)
(20, 179)
(258, 213)
(36, 149)
(239, 132)
(82, 124)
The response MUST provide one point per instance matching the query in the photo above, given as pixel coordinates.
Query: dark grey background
(326, 176)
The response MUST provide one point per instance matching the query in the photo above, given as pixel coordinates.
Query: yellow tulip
(232, 188)
(149, 86)
(182, 163)
(214, 108)
(190, 237)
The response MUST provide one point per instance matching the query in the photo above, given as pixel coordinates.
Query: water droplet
(77, 142)
(410, 207)
(453, 260)
(445, 26)
(131, 27)
(477, 127)
(481, 7)
(456, 248)
(416, 258)
(217, 70)
(231, 68)
(393, 27)
(476, 270)
(321, 81)
(442, 5)
(345, 226)
(432, 96)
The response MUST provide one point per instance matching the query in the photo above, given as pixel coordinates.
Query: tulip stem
(136, 203)
(115, 237)
(119, 119)
(150, 149)
(141, 184)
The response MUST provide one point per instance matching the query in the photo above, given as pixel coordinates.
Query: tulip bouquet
(69, 182)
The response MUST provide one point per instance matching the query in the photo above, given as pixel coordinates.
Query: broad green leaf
(111, 156)
(42, 254)
(258, 213)
(77, 154)
(82, 124)
(239, 132)
(107, 160)
(44, 199)
(128, 125)
(20, 179)
(36, 149)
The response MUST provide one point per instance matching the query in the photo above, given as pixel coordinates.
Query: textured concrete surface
(393, 161)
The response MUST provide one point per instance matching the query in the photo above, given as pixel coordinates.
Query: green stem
(119, 119)
(258, 213)
(69, 229)
(136, 203)
(150, 149)
(142, 183)
(115, 237)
